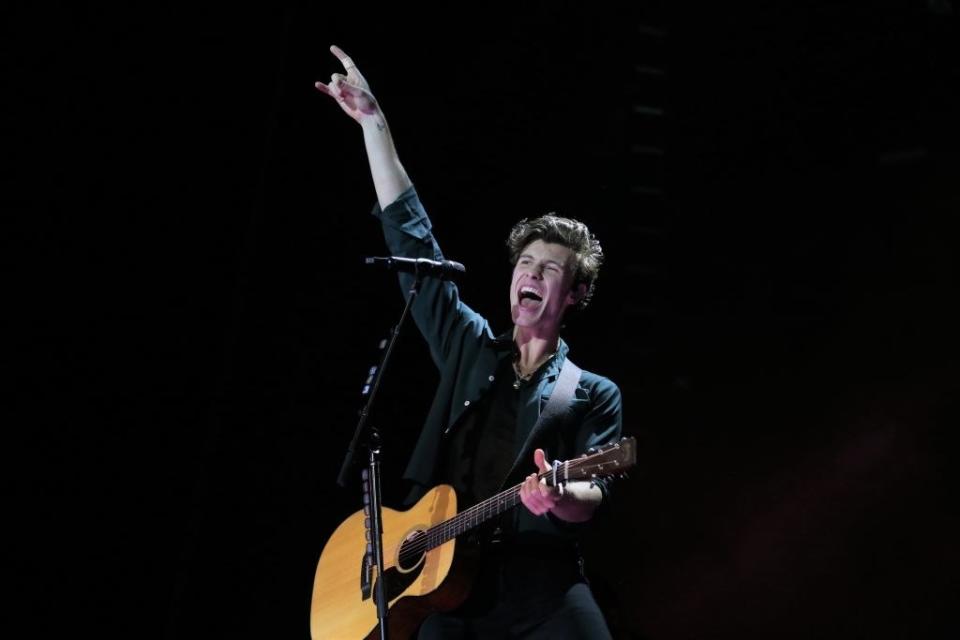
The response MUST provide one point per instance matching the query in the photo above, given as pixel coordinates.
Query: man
(483, 427)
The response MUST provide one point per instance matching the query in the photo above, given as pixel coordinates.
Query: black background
(190, 321)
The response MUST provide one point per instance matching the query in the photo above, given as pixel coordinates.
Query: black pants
(523, 594)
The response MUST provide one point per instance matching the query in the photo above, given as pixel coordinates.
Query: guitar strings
(441, 530)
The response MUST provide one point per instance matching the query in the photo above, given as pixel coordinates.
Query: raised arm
(352, 93)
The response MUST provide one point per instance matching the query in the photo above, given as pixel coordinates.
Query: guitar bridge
(366, 576)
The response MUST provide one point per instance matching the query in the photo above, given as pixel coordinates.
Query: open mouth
(529, 297)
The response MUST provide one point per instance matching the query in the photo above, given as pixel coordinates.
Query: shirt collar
(553, 367)
(504, 346)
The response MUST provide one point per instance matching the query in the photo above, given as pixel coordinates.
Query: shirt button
(490, 378)
(467, 403)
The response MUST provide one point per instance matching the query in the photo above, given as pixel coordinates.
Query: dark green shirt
(478, 454)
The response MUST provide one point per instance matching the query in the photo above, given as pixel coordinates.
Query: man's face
(541, 288)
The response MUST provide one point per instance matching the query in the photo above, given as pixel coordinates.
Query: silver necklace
(520, 378)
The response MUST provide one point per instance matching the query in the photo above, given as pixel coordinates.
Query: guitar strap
(557, 405)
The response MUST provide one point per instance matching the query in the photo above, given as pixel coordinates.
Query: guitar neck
(612, 459)
(473, 517)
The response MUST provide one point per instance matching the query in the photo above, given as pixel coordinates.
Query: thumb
(540, 459)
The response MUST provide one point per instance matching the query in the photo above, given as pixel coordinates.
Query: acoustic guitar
(418, 553)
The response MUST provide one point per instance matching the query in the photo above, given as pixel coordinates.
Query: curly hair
(570, 233)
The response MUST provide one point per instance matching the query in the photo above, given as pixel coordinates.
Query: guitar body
(421, 574)
(342, 609)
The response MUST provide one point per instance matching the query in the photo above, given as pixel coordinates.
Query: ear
(576, 294)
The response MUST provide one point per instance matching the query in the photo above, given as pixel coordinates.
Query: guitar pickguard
(396, 582)
(409, 566)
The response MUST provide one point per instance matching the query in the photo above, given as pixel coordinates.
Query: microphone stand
(371, 475)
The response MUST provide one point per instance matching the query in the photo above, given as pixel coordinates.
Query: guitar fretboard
(470, 518)
(610, 460)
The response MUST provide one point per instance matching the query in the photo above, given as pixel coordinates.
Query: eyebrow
(527, 255)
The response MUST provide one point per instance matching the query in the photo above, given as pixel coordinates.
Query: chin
(523, 320)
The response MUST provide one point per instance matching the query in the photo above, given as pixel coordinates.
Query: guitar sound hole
(412, 550)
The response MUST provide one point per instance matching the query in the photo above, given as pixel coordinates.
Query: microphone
(421, 267)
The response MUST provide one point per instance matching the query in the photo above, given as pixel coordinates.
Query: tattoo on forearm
(381, 125)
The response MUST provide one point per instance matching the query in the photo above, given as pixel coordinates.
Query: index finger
(343, 57)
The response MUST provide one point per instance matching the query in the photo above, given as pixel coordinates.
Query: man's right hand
(351, 92)
(353, 95)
